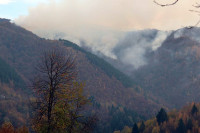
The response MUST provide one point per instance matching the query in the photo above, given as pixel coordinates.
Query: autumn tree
(59, 98)
(7, 127)
(161, 116)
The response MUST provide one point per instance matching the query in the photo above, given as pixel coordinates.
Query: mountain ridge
(22, 49)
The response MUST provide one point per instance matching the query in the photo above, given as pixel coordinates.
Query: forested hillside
(185, 120)
(170, 79)
(103, 65)
(14, 106)
(8, 75)
(113, 95)
(172, 71)
(169, 73)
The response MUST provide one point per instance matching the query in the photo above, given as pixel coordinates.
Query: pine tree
(194, 110)
(189, 124)
(161, 116)
(181, 127)
(135, 128)
(142, 127)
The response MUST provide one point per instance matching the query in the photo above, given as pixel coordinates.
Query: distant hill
(103, 65)
(105, 85)
(170, 72)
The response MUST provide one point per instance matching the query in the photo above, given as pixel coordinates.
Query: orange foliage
(7, 127)
(151, 126)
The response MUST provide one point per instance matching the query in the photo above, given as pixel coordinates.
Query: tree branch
(163, 5)
(197, 5)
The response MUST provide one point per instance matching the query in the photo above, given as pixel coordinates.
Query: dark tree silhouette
(135, 128)
(142, 127)
(194, 109)
(181, 127)
(189, 124)
(161, 116)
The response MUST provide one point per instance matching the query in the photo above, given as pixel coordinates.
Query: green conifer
(161, 116)
(135, 128)
(142, 127)
(189, 124)
(194, 110)
(181, 127)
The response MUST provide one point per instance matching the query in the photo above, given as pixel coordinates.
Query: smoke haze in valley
(131, 50)
(106, 26)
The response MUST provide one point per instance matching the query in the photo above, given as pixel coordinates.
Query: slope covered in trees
(172, 72)
(8, 74)
(185, 120)
(22, 49)
(103, 65)
(14, 106)
(13, 99)
(170, 75)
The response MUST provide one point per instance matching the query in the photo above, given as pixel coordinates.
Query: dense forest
(186, 120)
(105, 66)
(100, 97)
(127, 66)
(8, 74)
(14, 106)
(103, 85)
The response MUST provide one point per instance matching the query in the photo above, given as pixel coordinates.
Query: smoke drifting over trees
(104, 26)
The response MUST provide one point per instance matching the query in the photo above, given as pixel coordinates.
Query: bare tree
(56, 74)
(60, 101)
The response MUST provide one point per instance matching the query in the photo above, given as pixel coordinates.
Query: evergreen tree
(194, 110)
(189, 124)
(161, 116)
(135, 128)
(181, 127)
(142, 127)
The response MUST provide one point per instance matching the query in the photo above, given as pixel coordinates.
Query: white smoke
(160, 37)
(131, 50)
(193, 33)
(102, 24)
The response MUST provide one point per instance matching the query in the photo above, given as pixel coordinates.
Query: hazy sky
(112, 14)
(91, 19)
(101, 24)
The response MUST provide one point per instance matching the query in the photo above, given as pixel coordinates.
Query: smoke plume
(103, 24)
